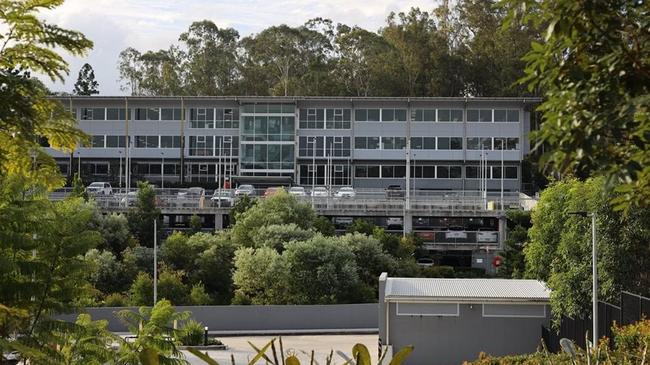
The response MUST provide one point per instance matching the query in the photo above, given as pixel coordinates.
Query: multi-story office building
(365, 142)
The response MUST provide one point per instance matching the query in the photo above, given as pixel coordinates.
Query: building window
(450, 115)
(146, 141)
(338, 146)
(448, 172)
(115, 141)
(229, 145)
(116, 114)
(506, 115)
(367, 115)
(201, 146)
(389, 171)
(423, 115)
(366, 171)
(170, 141)
(337, 118)
(202, 118)
(366, 143)
(97, 142)
(170, 114)
(393, 143)
(471, 172)
(511, 172)
(514, 310)
(93, 114)
(226, 118)
(479, 115)
(393, 115)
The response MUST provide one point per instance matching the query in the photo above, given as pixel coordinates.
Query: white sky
(114, 25)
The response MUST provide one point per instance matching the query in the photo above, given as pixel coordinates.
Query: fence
(633, 308)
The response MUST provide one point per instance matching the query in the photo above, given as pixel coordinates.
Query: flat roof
(466, 290)
(526, 100)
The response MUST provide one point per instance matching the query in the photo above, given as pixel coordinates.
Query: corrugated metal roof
(466, 289)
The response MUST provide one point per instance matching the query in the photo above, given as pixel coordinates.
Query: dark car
(394, 191)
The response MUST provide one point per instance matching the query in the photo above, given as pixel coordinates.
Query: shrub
(116, 300)
(191, 334)
(198, 296)
(438, 272)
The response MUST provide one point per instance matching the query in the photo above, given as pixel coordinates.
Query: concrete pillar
(408, 222)
(218, 222)
(382, 309)
(503, 228)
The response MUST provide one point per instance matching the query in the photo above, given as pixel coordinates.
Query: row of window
(325, 118)
(214, 146)
(312, 118)
(202, 118)
(436, 143)
(432, 171)
(320, 146)
(268, 108)
(271, 128)
(271, 157)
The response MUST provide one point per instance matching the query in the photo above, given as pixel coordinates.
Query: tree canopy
(86, 84)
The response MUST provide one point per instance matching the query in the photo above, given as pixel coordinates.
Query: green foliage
(559, 248)
(242, 204)
(142, 215)
(198, 295)
(322, 271)
(114, 229)
(106, 273)
(595, 117)
(371, 260)
(191, 333)
(137, 259)
(277, 236)
(214, 267)
(324, 226)
(177, 253)
(280, 208)
(438, 272)
(86, 84)
(260, 276)
(172, 288)
(630, 347)
(195, 224)
(360, 225)
(141, 291)
(116, 300)
(514, 265)
(78, 187)
(153, 331)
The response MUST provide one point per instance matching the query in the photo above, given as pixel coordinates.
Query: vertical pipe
(503, 172)
(162, 171)
(182, 156)
(595, 280)
(221, 169)
(127, 147)
(155, 260)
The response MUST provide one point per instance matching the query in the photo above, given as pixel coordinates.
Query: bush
(191, 334)
(438, 272)
(198, 296)
(141, 291)
(116, 300)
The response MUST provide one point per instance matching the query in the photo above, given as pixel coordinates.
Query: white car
(346, 192)
(222, 198)
(191, 193)
(425, 262)
(99, 188)
(129, 199)
(245, 190)
(320, 192)
(297, 191)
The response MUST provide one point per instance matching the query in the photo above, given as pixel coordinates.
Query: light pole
(313, 168)
(120, 174)
(155, 260)
(79, 163)
(594, 273)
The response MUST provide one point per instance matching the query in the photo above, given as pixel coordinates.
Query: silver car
(320, 192)
(223, 198)
(297, 191)
(99, 188)
(346, 192)
(245, 190)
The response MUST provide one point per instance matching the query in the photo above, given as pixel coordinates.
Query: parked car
(394, 191)
(222, 198)
(297, 191)
(129, 199)
(192, 193)
(343, 222)
(320, 192)
(271, 190)
(99, 188)
(425, 262)
(345, 192)
(245, 190)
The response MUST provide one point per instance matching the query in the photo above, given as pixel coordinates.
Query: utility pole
(162, 171)
(155, 260)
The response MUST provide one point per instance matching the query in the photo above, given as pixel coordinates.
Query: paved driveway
(321, 344)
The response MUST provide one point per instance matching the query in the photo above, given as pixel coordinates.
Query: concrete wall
(265, 319)
(452, 340)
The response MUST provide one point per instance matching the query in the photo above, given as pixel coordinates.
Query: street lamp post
(120, 174)
(313, 169)
(594, 273)
(155, 260)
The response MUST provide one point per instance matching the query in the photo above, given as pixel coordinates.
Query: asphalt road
(301, 346)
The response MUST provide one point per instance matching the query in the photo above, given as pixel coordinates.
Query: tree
(324, 226)
(212, 60)
(277, 236)
(172, 288)
(154, 335)
(106, 273)
(138, 259)
(141, 291)
(214, 267)
(142, 215)
(514, 265)
(130, 68)
(559, 248)
(241, 205)
(78, 188)
(86, 84)
(195, 224)
(260, 276)
(593, 68)
(114, 229)
(198, 295)
(322, 271)
(280, 208)
(361, 225)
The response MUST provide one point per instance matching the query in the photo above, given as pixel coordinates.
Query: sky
(114, 25)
